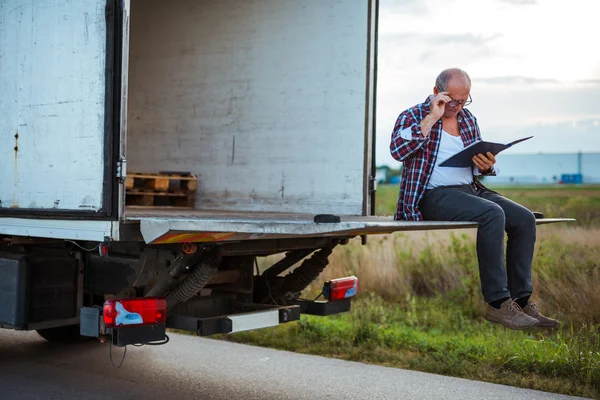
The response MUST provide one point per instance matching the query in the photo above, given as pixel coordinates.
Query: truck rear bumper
(258, 319)
(266, 317)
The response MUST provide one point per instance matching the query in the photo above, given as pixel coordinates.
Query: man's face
(458, 91)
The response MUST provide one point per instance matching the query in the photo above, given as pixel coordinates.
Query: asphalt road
(195, 368)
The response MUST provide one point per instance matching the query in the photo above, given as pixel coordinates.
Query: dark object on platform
(327, 219)
(538, 215)
(138, 335)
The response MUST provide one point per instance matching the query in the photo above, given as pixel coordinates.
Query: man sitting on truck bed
(429, 133)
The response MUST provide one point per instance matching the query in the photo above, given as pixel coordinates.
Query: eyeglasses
(455, 103)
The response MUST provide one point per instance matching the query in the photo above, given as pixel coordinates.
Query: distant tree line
(386, 174)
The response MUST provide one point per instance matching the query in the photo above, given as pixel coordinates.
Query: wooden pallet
(159, 199)
(163, 182)
(167, 190)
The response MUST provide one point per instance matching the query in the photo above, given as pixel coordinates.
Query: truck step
(172, 182)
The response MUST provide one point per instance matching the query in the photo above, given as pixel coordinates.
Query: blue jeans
(495, 214)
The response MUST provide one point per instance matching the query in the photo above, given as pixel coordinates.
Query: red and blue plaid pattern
(419, 154)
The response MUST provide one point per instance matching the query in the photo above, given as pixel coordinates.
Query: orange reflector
(342, 288)
(142, 311)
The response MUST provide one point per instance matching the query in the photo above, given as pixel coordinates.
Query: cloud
(562, 137)
(427, 56)
(467, 38)
(428, 47)
(441, 39)
(514, 80)
(433, 49)
(520, 2)
(590, 81)
(412, 7)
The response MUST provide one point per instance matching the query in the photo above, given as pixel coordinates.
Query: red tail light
(103, 249)
(127, 312)
(342, 288)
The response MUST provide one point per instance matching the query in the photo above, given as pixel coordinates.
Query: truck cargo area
(265, 102)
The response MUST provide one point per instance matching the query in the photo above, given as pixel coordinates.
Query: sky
(534, 66)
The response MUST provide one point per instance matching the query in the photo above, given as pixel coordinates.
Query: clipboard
(464, 158)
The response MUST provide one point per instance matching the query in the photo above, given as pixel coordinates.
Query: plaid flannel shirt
(419, 154)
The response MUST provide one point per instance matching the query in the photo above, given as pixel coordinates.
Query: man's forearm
(426, 125)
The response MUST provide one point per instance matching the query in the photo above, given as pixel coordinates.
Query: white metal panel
(254, 320)
(264, 100)
(58, 229)
(52, 95)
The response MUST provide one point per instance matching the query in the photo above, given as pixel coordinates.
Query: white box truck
(270, 104)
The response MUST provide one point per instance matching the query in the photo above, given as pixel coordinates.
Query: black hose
(307, 272)
(179, 266)
(197, 279)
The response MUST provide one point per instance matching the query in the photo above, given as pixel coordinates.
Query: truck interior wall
(264, 100)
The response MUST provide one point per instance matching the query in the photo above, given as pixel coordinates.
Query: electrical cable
(83, 248)
(159, 343)
(270, 294)
(267, 282)
(111, 356)
(135, 345)
(154, 343)
(142, 270)
(315, 299)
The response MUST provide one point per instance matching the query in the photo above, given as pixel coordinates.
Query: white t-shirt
(444, 176)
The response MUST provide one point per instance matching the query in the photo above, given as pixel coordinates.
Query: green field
(420, 305)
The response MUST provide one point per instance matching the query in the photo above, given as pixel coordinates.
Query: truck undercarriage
(209, 287)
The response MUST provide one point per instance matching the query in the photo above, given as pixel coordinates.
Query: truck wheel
(61, 334)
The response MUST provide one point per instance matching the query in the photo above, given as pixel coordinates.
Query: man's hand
(436, 110)
(438, 105)
(483, 163)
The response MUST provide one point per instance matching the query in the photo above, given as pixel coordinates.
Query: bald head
(454, 77)
(455, 84)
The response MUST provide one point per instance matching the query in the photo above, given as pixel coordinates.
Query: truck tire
(61, 334)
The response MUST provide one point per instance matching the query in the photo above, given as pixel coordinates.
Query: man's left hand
(484, 162)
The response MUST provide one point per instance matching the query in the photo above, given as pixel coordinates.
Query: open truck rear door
(59, 118)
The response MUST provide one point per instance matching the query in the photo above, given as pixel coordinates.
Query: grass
(421, 308)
